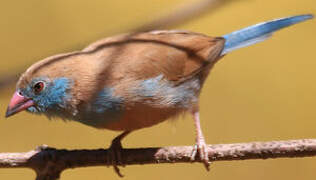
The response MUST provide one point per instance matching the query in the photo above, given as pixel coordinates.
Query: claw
(201, 148)
(114, 156)
(194, 151)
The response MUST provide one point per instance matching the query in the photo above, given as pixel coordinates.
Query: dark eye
(38, 87)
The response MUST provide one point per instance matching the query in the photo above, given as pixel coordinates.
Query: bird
(132, 81)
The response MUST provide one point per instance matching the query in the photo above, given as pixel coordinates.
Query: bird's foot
(115, 155)
(201, 148)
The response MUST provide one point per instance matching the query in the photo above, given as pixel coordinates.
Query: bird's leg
(200, 146)
(115, 152)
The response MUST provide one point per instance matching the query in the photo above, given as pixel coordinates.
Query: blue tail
(259, 32)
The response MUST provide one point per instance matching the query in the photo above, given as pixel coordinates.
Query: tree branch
(48, 162)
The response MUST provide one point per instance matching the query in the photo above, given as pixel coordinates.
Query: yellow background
(260, 93)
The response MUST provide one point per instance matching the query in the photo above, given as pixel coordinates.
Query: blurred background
(260, 93)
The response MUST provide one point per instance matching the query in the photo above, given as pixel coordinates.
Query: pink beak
(18, 103)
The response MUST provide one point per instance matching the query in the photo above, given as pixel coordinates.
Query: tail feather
(259, 32)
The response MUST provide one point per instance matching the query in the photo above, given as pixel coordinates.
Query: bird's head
(41, 89)
(40, 95)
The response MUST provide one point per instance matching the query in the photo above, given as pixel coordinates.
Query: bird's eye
(38, 87)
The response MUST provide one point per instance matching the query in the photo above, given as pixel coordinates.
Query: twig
(50, 162)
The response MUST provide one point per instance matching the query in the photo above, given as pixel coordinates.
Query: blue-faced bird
(133, 81)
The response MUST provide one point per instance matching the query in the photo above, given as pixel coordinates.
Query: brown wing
(178, 55)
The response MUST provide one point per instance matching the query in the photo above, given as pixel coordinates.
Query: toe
(204, 157)
(194, 152)
(115, 157)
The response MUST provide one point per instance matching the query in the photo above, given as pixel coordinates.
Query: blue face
(47, 94)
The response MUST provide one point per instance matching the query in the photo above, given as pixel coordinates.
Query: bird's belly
(136, 116)
(141, 117)
(139, 104)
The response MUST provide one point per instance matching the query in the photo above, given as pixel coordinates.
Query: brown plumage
(120, 62)
(177, 56)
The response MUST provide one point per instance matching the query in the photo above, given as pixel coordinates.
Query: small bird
(133, 81)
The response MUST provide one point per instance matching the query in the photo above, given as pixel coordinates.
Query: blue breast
(103, 109)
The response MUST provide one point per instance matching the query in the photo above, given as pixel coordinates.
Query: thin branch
(50, 162)
(182, 14)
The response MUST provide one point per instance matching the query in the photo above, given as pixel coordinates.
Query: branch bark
(48, 163)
